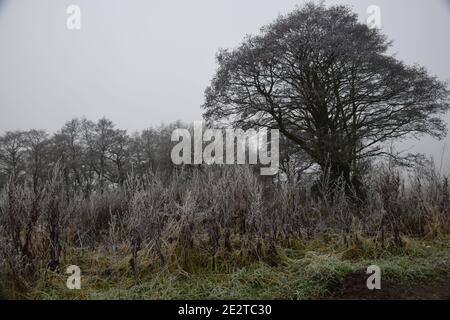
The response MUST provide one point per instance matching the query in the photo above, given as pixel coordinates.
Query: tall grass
(211, 218)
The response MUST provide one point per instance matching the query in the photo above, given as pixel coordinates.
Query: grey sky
(143, 62)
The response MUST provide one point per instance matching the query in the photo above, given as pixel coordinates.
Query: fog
(144, 62)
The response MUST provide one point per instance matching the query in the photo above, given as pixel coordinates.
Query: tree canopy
(327, 82)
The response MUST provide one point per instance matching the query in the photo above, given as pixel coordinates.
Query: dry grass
(215, 220)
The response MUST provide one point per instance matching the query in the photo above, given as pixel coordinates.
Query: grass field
(317, 269)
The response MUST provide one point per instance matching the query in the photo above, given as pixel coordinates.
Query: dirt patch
(353, 287)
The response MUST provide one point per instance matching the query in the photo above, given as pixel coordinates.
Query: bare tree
(327, 83)
(12, 151)
(69, 150)
(36, 142)
(98, 139)
(119, 155)
(103, 140)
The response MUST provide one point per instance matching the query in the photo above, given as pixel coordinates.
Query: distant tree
(12, 153)
(119, 155)
(149, 144)
(36, 142)
(69, 149)
(98, 139)
(104, 133)
(150, 150)
(293, 160)
(328, 84)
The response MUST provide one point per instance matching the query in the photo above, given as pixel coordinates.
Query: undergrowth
(307, 270)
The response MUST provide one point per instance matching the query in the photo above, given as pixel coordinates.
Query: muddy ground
(353, 287)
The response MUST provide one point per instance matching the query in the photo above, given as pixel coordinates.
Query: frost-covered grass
(309, 270)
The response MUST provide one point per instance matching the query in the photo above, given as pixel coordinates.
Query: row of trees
(97, 155)
(93, 155)
(319, 76)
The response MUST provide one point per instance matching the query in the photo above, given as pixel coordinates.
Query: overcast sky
(144, 62)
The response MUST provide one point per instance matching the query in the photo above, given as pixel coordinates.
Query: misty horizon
(148, 63)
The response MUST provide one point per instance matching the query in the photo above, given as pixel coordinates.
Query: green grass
(304, 271)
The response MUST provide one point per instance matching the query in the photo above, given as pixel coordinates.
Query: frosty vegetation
(319, 77)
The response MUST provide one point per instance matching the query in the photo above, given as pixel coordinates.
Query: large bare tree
(327, 83)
